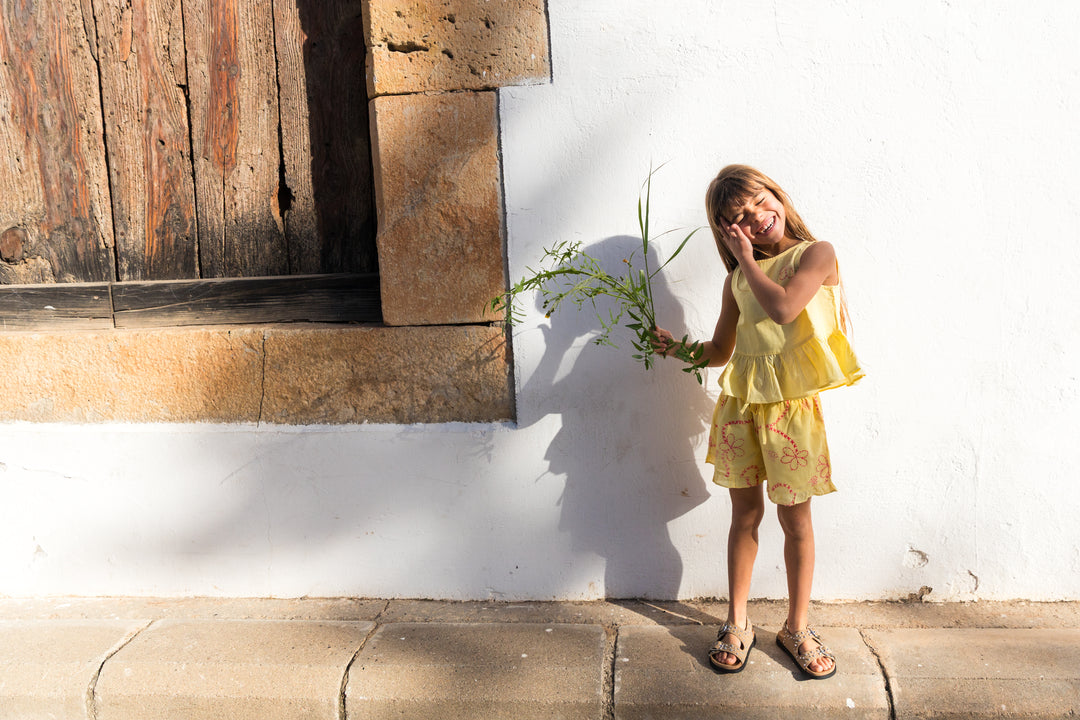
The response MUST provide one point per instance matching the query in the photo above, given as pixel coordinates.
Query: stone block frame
(433, 70)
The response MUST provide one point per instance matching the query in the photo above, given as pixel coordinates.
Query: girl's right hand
(738, 243)
(663, 341)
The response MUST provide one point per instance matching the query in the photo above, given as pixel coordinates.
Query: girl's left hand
(738, 242)
(663, 341)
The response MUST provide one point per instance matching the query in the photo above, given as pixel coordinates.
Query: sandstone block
(390, 375)
(305, 374)
(440, 212)
(427, 45)
(175, 375)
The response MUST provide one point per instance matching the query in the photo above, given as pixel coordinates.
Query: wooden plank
(143, 80)
(335, 298)
(328, 199)
(67, 306)
(234, 120)
(53, 185)
(321, 298)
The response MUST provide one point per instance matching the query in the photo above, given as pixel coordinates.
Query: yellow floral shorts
(782, 443)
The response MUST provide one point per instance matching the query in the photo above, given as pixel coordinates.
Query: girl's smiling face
(761, 217)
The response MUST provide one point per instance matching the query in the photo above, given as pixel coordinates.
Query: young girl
(781, 335)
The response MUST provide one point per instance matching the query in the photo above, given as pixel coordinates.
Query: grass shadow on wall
(626, 446)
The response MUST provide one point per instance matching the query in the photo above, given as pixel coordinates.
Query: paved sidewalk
(187, 659)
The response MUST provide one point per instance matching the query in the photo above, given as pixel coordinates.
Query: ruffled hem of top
(816, 365)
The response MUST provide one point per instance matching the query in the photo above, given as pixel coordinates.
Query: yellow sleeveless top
(774, 362)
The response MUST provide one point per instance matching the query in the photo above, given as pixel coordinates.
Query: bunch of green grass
(568, 274)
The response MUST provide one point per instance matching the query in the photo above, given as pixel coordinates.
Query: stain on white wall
(933, 143)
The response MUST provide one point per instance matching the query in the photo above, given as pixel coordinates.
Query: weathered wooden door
(168, 140)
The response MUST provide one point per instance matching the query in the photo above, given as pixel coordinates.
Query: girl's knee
(795, 520)
(747, 508)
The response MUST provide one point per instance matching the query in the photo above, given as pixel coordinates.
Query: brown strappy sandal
(791, 641)
(746, 637)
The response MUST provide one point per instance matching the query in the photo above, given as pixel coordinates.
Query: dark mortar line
(91, 690)
(262, 381)
(551, 60)
(504, 229)
(884, 673)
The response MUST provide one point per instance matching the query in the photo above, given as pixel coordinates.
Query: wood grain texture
(320, 298)
(66, 306)
(143, 78)
(53, 182)
(234, 117)
(341, 298)
(329, 203)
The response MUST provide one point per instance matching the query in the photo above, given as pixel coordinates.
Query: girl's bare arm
(783, 303)
(718, 350)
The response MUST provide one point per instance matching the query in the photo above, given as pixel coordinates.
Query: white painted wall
(935, 143)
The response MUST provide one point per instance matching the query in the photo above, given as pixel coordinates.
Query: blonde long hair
(730, 188)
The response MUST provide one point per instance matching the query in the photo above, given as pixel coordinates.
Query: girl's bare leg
(799, 558)
(747, 511)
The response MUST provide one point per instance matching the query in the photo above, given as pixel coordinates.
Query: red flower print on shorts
(751, 476)
(794, 458)
(823, 467)
(783, 491)
(732, 447)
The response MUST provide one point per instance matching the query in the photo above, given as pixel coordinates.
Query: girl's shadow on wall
(627, 444)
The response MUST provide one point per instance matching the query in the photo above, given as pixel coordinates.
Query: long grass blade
(678, 249)
(569, 274)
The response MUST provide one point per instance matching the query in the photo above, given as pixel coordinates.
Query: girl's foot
(726, 658)
(732, 647)
(806, 648)
(820, 664)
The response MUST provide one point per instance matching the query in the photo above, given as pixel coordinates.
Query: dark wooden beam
(338, 298)
(65, 306)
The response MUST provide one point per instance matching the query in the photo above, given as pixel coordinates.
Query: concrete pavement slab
(878, 614)
(664, 672)
(195, 608)
(237, 669)
(891, 615)
(964, 673)
(516, 671)
(603, 612)
(47, 668)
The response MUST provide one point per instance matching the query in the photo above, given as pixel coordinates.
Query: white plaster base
(933, 143)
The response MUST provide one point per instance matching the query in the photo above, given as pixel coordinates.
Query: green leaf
(640, 221)
(678, 249)
(645, 226)
(568, 274)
